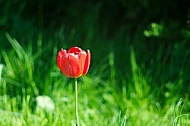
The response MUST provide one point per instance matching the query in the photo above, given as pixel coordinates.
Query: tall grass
(101, 102)
(118, 90)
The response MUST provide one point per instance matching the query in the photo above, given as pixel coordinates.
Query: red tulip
(73, 63)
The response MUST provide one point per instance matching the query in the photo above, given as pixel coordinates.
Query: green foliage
(155, 30)
(101, 102)
(19, 77)
(134, 78)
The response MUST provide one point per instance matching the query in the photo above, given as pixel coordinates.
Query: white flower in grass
(45, 103)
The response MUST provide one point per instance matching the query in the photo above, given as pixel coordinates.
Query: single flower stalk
(74, 63)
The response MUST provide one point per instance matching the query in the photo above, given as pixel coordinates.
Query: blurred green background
(139, 73)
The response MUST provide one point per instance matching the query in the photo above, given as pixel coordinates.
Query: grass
(101, 101)
(118, 90)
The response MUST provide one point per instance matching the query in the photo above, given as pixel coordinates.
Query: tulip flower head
(74, 63)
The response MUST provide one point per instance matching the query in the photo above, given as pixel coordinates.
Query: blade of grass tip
(119, 118)
(40, 44)
(8, 63)
(112, 68)
(124, 121)
(21, 53)
(134, 69)
(13, 82)
(35, 89)
(176, 110)
(180, 104)
(17, 47)
(133, 62)
(23, 56)
(1, 69)
(40, 23)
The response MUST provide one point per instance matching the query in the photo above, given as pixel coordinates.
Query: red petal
(61, 54)
(82, 57)
(74, 63)
(66, 68)
(74, 50)
(87, 62)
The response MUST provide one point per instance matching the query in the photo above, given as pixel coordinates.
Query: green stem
(76, 102)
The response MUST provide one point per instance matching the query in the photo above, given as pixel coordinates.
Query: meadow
(132, 81)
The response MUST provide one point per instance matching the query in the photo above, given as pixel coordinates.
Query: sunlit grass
(117, 91)
(101, 101)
